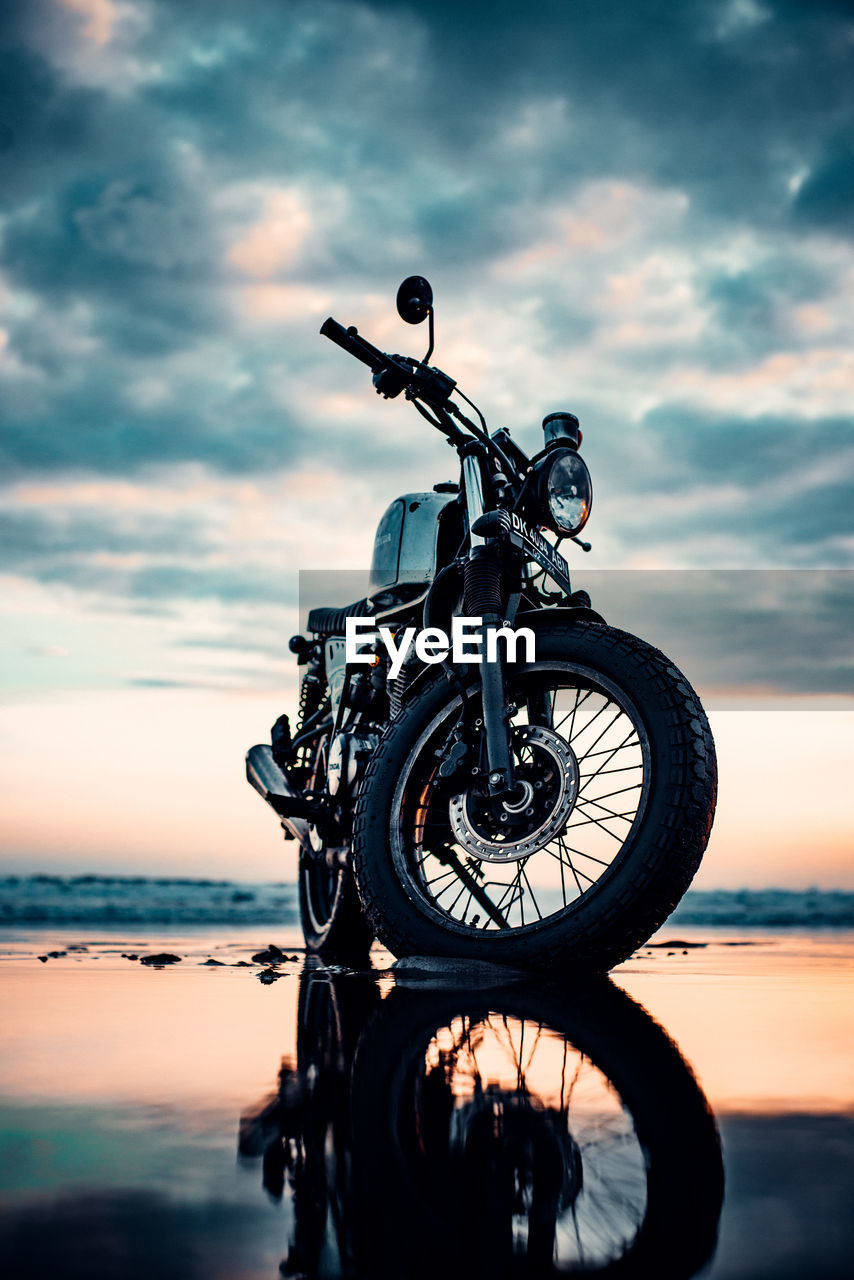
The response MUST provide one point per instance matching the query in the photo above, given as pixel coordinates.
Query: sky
(642, 212)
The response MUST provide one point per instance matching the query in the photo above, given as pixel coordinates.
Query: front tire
(408, 859)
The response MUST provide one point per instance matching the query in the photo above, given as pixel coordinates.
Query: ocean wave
(768, 908)
(106, 900)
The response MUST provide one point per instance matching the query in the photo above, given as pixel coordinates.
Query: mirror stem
(430, 348)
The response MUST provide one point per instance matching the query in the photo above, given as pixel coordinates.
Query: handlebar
(351, 342)
(392, 374)
(423, 384)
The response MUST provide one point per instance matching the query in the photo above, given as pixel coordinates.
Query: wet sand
(193, 1120)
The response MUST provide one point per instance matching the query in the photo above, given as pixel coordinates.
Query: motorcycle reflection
(517, 1130)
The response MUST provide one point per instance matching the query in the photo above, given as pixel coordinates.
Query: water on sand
(188, 1119)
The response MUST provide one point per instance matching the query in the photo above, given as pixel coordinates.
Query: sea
(103, 900)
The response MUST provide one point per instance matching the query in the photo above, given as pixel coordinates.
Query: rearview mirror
(414, 300)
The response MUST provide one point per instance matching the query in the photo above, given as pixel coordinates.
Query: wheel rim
(607, 741)
(322, 885)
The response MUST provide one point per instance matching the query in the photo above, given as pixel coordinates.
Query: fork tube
(474, 494)
(498, 755)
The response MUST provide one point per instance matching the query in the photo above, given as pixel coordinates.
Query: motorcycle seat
(330, 622)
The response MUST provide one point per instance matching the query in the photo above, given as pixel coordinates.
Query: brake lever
(418, 380)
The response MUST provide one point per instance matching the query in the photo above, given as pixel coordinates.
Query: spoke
(612, 751)
(568, 848)
(634, 786)
(514, 890)
(576, 871)
(463, 919)
(591, 721)
(533, 895)
(610, 817)
(436, 879)
(574, 711)
(575, 1078)
(591, 800)
(533, 1048)
(457, 898)
(509, 1047)
(600, 822)
(567, 862)
(519, 1058)
(608, 726)
(602, 773)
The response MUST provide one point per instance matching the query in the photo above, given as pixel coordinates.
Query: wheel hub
(547, 777)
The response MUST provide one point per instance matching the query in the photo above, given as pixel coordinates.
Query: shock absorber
(482, 585)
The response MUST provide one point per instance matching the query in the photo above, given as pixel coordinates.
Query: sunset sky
(639, 211)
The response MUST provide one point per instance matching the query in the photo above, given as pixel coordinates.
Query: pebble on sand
(271, 956)
(677, 942)
(163, 957)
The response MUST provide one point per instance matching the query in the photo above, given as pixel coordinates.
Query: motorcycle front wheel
(618, 773)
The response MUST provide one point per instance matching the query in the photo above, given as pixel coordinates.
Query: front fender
(543, 619)
(539, 621)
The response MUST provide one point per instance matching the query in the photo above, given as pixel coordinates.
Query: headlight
(566, 492)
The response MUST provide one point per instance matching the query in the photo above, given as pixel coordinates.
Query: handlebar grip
(350, 341)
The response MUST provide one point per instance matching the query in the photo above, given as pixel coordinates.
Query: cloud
(274, 242)
(735, 632)
(637, 211)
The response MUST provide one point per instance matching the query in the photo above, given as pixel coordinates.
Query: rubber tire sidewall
(646, 881)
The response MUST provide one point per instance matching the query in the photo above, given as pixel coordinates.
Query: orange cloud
(275, 241)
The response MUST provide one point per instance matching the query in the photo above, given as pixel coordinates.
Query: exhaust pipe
(273, 785)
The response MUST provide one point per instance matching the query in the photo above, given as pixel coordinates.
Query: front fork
(483, 599)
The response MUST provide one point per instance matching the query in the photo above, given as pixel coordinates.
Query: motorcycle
(535, 804)
(512, 1129)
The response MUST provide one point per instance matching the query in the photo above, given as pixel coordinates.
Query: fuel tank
(411, 544)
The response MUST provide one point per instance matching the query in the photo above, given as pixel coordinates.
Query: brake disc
(548, 782)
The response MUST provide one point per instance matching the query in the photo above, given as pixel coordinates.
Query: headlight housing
(565, 492)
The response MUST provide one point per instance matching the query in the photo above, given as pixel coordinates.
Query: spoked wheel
(522, 1132)
(583, 779)
(615, 794)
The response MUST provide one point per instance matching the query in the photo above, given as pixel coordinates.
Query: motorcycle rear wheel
(333, 923)
(426, 893)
